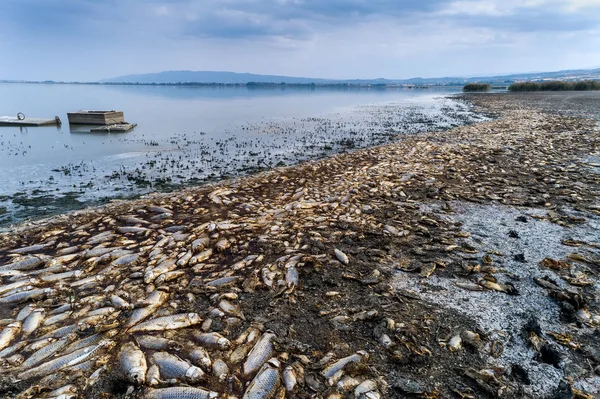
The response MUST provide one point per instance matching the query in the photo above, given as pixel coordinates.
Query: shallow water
(191, 135)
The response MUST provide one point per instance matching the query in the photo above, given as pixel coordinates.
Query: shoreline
(428, 254)
(248, 149)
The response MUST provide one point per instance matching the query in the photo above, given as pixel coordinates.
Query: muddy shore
(454, 265)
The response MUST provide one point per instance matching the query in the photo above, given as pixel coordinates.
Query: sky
(89, 40)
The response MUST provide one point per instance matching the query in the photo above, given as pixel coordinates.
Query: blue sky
(90, 40)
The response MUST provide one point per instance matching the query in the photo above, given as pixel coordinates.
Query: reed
(470, 87)
(582, 85)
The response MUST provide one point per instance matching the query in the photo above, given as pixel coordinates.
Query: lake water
(191, 135)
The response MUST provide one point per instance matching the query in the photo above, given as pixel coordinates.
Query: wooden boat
(96, 117)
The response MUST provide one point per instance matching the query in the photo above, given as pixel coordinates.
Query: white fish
(169, 322)
(133, 363)
(9, 333)
(260, 353)
(342, 257)
(266, 382)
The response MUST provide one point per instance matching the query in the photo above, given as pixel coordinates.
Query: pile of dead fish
(111, 304)
(146, 298)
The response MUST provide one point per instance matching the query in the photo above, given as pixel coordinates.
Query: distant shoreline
(249, 84)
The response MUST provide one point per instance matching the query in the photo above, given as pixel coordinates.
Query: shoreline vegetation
(476, 87)
(557, 85)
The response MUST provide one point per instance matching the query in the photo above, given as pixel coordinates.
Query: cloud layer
(89, 40)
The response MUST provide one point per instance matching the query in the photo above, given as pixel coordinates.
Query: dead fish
(68, 250)
(133, 220)
(30, 249)
(165, 266)
(63, 392)
(332, 369)
(455, 343)
(57, 318)
(289, 378)
(101, 238)
(230, 309)
(490, 285)
(133, 363)
(172, 322)
(390, 230)
(156, 343)
(153, 302)
(50, 278)
(180, 393)
(172, 367)
(169, 276)
(266, 383)
(427, 269)
(201, 357)
(159, 209)
(61, 332)
(97, 252)
(222, 245)
(132, 230)
(204, 255)
(120, 303)
(347, 383)
(292, 277)
(18, 284)
(219, 282)
(160, 217)
(23, 264)
(45, 352)
(469, 286)
(60, 260)
(471, 338)
(200, 244)
(260, 353)
(33, 321)
(11, 350)
(212, 340)
(88, 281)
(184, 260)
(9, 333)
(93, 339)
(61, 362)
(364, 388)
(342, 257)
(126, 260)
(220, 370)
(153, 376)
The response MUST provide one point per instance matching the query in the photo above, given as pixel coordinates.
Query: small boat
(96, 117)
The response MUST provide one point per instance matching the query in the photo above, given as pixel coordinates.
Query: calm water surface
(190, 135)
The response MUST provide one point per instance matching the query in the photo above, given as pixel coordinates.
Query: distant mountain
(168, 77)
(210, 77)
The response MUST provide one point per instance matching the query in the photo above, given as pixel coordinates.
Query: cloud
(89, 39)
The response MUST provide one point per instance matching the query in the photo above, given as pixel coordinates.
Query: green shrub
(477, 87)
(556, 86)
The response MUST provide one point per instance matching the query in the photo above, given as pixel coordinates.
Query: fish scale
(45, 352)
(180, 393)
(63, 361)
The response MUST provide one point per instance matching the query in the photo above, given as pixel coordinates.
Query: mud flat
(462, 264)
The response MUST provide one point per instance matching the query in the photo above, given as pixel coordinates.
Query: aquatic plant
(583, 85)
(470, 87)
